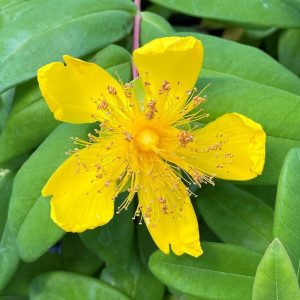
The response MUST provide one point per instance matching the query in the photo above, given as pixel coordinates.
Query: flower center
(147, 139)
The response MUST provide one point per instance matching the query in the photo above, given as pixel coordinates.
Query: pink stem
(136, 34)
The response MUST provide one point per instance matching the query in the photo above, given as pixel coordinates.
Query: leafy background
(250, 231)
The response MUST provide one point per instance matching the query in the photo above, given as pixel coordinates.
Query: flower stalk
(136, 34)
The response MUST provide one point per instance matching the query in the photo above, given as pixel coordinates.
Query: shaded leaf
(288, 49)
(38, 232)
(77, 258)
(113, 59)
(29, 122)
(135, 280)
(146, 244)
(64, 285)
(267, 193)
(19, 284)
(237, 217)
(214, 275)
(113, 241)
(153, 26)
(14, 297)
(275, 277)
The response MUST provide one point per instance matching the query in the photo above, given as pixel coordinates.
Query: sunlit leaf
(50, 29)
(253, 13)
(214, 275)
(9, 257)
(287, 208)
(275, 277)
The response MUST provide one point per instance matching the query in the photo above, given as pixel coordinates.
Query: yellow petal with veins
(167, 209)
(84, 188)
(71, 90)
(231, 147)
(178, 61)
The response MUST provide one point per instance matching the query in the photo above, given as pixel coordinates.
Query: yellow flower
(140, 145)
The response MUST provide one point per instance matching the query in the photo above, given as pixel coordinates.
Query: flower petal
(167, 211)
(232, 147)
(70, 90)
(177, 60)
(84, 188)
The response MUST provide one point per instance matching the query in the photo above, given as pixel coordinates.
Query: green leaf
(6, 183)
(227, 59)
(19, 284)
(12, 9)
(287, 208)
(36, 171)
(134, 280)
(77, 258)
(288, 49)
(260, 33)
(146, 244)
(5, 105)
(30, 120)
(38, 232)
(153, 26)
(237, 217)
(14, 297)
(267, 193)
(38, 35)
(276, 150)
(159, 10)
(9, 257)
(113, 59)
(113, 241)
(64, 285)
(214, 275)
(257, 13)
(275, 277)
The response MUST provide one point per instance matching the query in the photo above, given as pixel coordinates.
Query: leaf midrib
(33, 37)
(206, 270)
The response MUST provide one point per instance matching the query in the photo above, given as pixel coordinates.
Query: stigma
(147, 140)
